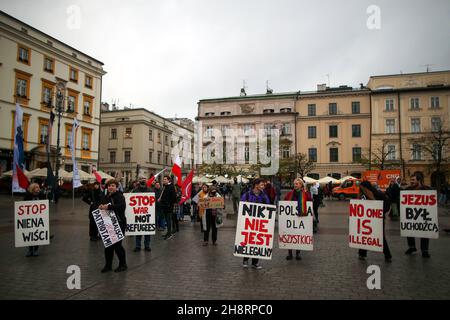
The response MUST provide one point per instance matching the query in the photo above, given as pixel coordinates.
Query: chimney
(322, 87)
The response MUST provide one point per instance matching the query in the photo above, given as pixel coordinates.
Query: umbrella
(309, 180)
(10, 173)
(326, 180)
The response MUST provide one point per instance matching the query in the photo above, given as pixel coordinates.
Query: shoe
(388, 259)
(137, 249)
(410, 251)
(289, 257)
(361, 258)
(170, 236)
(148, 249)
(106, 269)
(256, 266)
(298, 257)
(52, 236)
(245, 264)
(425, 254)
(205, 243)
(121, 268)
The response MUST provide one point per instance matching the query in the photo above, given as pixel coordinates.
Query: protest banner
(32, 223)
(108, 226)
(419, 214)
(140, 212)
(366, 225)
(212, 203)
(254, 230)
(295, 232)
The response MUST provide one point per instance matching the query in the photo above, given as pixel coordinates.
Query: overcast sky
(166, 55)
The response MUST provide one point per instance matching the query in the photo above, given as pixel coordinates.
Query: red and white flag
(186, 188)
(152, 179)
(97, 175)
(176, 170)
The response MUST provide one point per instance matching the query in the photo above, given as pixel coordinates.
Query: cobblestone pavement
(181, 268)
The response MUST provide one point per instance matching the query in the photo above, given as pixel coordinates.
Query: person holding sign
(142, 188)
(115, 201)
(211, 215)
(34, 193)
(416, 183)
(300, 195)
(368, 192)
(201, 210)
(255, 195)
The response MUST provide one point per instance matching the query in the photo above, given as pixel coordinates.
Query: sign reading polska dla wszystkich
(254, 230)
(108, 226)
(366, 225)
(295, 232)
(32, 224)
(419, 214)
(140, 213)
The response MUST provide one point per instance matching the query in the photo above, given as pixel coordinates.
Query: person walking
(176, 210)
(115, 201)
(417, 183)
(93, 197)
(255, 195)
(236, 193)
(301, 196)
(211, 215)
(167, 199)
(369, 192)
(201, 211)
(315, 193)
(33, 193)
(142, 188)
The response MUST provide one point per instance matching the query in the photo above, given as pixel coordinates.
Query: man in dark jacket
(269, 190)
(92, 197)
(393, 192)
(167, 199)
(142, 188)
(115, 201)
(159, 214)
(416, 183)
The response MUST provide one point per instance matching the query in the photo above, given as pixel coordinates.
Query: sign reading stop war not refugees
(295, 232)
(419, 214)
(108, 226)
(32, 225)
(254, 230)
(366, 225)
(140, 213)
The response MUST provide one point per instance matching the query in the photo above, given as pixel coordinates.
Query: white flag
(76, 177)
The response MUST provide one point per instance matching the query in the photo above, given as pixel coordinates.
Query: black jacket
(118, 205)
(140, 189)
(169, 196)
(30, 197)
(92, 198)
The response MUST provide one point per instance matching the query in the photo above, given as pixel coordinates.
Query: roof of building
(409, 74)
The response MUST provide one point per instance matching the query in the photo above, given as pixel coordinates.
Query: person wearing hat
(92, 197)
(142, 188)
(369, 192)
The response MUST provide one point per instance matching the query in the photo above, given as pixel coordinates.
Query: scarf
(301, 203)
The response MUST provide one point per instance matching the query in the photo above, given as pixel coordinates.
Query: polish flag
(186, 189)
(176, 170)
(152, 179)
(97, 175)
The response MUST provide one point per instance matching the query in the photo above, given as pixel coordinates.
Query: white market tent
(10, 173)
(327, 179)
(309, 180)
(42, 173)
(221, 179)
(84, 176)
(241, 179)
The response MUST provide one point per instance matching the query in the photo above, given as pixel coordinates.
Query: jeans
(168, 217)
(146, 241)
(175, 223)
(120, 252)
(424, 243)
(181, 212)
(210, 225)
(254, 261)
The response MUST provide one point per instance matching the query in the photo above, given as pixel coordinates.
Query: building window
(414, 103)
(47, 93)
(85, 141)
(268, 111)
(166, 141)
(389, 105)
(286, 152)
(333, 131)
(356, 130)
(356, 107)
(332, 108)
(127, 156)
(86, 137)
(391, 153)
(416, 152)
(312, 132)
(22, 87)
(435, 124)
(49, 64)
(73, 74)
(435, 102)
(247, 153)
(128, 132)
(113, 134)
(166, 158)
(312, 154)
(43, 131)
(87, 105)
(159, 157)
(390, 126)
(285, 110)
(88, 81)
(356, 152)
(209, 131)
(415, 125)
(112, 157)
(334, 154)
(286, 128)
(435, 152)
(71, 103)
(159, 139)
(248, 129)
(225, 113)
(209, 114)
(311, 110)
(225, 130)
(150, 156)
(150, 135)
(24, 54)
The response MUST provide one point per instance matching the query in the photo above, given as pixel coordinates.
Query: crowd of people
(108, 195)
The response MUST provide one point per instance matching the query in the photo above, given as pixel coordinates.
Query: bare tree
(378, 157)
(298, 164)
